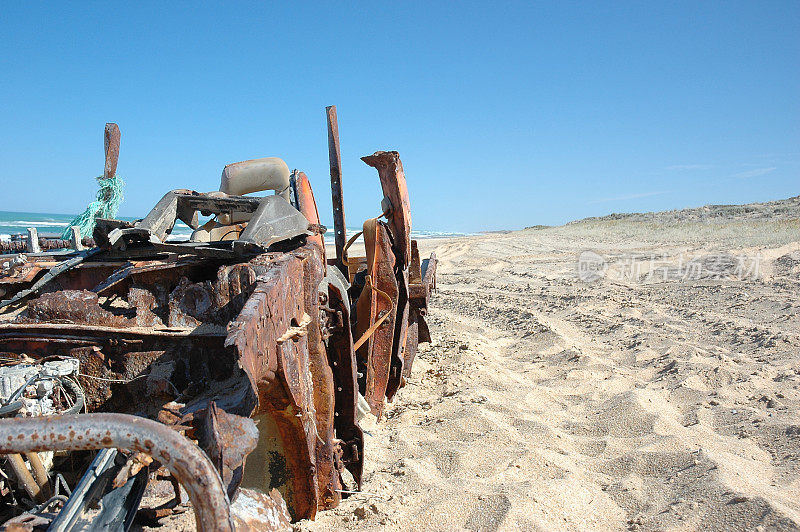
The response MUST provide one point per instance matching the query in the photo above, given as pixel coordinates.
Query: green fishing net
(105, 206)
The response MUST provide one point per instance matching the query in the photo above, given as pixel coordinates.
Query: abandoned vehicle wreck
(233, 365)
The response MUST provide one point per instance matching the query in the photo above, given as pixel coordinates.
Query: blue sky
(505, 114)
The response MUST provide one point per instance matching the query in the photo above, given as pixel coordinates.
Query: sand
(662, 396)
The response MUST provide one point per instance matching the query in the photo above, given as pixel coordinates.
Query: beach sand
(662, 396)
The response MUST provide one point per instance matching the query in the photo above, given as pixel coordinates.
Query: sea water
(52, 225)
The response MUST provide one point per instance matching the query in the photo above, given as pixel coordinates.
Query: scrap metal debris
(235, 363)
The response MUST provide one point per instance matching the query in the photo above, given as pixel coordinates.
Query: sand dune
(661, 396)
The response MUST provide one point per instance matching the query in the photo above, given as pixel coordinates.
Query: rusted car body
(233, 365)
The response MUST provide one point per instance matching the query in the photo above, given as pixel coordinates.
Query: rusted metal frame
(184, 460)
(225, 393)
(280, 372)
(343, 362)
(421, 286)
(221, 298)
(324, 388)
(234, 396)
(88, 275)
(72, 306)
(395, 190)
(26, 273)
(125, 358)
(372, 306)
(205, 250)
(335, 158)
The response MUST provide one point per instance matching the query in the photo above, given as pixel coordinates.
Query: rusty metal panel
(328, 481)
(73, 306)
(393, 183)
(25, 272)
(411, 343)
(291, 376)
(227, 439)
(377, 302)
(415, 266)
(279, 372)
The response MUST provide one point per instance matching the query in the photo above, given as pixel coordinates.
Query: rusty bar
(25, 478)
(40, 474)
(112, 149)
(185, 461)
(335, 157)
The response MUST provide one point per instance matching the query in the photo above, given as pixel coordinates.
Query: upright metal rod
(335, 157)
(111, 145)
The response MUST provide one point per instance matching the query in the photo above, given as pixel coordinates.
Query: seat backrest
(256, 175)
(238, 179)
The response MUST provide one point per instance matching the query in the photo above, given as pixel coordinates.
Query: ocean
(51, 225)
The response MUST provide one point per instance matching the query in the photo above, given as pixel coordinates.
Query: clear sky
(505, 114)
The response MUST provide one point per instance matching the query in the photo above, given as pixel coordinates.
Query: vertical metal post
(111, 144)
(335, 157)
